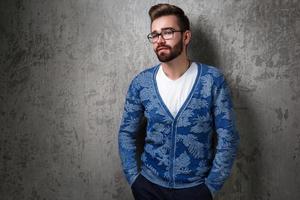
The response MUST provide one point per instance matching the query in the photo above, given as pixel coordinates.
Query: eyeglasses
(166, 34)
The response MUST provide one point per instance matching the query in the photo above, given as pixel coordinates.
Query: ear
(187, 36)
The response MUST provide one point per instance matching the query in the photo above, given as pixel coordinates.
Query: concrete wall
(65, 67)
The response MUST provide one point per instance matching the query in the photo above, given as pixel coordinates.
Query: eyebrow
(165, 28)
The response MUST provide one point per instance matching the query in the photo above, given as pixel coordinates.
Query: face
(167, 50)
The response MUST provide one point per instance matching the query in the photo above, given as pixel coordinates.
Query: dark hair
(160, 10)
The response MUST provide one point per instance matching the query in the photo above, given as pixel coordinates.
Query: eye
(154, 35)
(168, 32)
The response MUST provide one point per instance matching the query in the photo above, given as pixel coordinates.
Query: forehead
(163, 22)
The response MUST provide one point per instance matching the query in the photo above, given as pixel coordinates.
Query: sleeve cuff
(133, 179)
(212, 191)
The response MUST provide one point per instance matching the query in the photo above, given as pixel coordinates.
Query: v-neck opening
(165, 76)
(186, 101)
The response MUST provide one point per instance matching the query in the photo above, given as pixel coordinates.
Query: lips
(162, 48)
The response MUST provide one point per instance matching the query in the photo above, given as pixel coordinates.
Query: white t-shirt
(175, 92)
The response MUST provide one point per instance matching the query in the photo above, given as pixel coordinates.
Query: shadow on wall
(248, 175)
(201, 48)
(243, 183)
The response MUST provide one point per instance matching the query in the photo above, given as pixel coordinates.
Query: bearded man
(185, 103)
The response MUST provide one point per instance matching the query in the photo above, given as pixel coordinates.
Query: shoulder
(210, 70)
(145, 77)
(147, 73)
(213, 73)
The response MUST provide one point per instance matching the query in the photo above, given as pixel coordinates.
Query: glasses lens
(152, 37)
(167, 34)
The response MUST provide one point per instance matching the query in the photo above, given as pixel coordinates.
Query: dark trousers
(142, 189)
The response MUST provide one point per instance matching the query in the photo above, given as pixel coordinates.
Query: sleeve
(227, 137)
(129, 127)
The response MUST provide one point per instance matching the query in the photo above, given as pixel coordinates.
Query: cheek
(154, 46)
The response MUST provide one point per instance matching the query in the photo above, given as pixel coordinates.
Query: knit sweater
(179, 151)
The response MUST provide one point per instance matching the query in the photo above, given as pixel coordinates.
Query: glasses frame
(150, 38)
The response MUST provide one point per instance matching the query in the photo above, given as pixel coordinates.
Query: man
(185, 103)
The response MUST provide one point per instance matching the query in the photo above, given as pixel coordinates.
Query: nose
(161, 39)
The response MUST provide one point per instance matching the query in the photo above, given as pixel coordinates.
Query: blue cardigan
(179, 151)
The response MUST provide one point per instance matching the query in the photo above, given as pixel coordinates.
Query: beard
(174, 52)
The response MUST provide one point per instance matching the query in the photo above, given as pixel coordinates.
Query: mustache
(162, 46)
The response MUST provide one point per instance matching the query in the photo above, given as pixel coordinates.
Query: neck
(176, 67)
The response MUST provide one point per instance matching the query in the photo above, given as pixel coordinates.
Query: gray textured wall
(65, 68)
